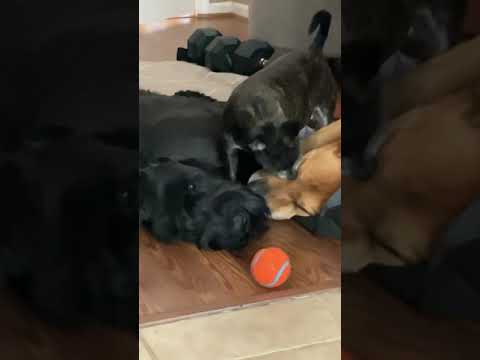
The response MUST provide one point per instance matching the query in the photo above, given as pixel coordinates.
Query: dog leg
(382, 136)
(231, 151)
(422, 86)
(322, 137)
(433, 79)
(357, 254)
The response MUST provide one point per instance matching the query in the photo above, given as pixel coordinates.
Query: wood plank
(23, 336)
(178, 279)
(377, 326)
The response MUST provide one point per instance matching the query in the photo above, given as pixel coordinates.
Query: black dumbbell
(196, 45)
(251, 56)
(218, 55)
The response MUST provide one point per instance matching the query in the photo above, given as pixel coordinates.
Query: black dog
(184, 193)
(384, 39)
(266, 112)
(69, 238)
(69, 242)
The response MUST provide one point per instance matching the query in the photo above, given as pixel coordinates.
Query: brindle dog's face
(184, 202)
(275, 146)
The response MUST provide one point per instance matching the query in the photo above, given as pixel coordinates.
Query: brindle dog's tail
(321, 21)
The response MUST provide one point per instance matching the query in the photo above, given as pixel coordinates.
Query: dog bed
(168, 77)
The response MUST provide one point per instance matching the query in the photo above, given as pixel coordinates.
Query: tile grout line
(228, 309)
(298, 347)
(147, 347)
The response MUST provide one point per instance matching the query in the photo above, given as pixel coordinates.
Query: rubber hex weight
(251, 56)
(198, 42)
(218, 56)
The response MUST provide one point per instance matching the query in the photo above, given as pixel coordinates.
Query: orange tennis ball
(270, 267)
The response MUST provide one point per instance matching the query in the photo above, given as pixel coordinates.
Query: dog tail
(321, 21)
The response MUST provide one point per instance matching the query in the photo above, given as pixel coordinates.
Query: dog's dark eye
(124, 198)
(191, 188)
(289, 142)
(291, 128)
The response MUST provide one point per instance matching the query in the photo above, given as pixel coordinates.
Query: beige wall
(152, 11)
(284, 23)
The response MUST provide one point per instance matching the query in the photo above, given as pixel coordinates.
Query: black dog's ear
(145, 197)
(147, 180)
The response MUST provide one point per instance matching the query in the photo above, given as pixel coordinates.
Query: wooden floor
(23, 336)
(376, 326)
(180, 280)
(171, 34)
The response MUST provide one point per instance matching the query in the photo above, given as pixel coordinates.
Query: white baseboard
(223, 7)
(220, 8)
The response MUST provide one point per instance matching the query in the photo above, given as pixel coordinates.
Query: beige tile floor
(295, 329)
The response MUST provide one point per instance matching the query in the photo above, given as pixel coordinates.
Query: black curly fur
(184, 93)
(196, 94)
(143, 92)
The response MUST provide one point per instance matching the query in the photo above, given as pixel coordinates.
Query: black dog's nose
(213, 245)
(241, 222)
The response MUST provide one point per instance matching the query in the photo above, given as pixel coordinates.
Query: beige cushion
(168, 77)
